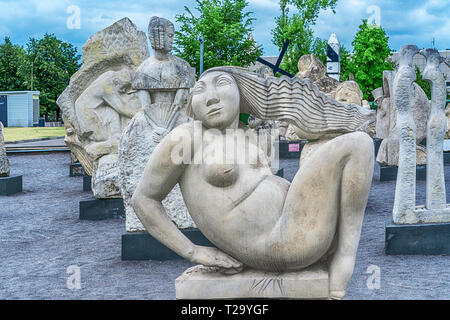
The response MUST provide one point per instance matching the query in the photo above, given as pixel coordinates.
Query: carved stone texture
(98, 103)
(315, 219)
(162, 83)
(386, 126)
(4, 162)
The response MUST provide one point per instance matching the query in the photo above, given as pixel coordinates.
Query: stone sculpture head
(309, 66)
(349, 92)
(214, 100)
(161, 32)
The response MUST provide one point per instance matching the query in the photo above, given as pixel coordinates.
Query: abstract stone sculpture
(435, 209)
(162, 83)
(98, 103)
(4, 162)
(386, 126)
(304, 233)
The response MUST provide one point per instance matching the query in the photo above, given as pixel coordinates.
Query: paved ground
(41, 236)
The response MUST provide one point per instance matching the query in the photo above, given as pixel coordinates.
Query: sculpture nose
(212, 101)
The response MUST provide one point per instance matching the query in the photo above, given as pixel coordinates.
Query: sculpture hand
(212, 257)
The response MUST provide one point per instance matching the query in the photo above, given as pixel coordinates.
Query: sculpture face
(215, 100)
(348, 92)
(161, 33)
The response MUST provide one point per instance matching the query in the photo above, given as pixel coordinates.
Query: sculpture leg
(327, 197)
(356, 183)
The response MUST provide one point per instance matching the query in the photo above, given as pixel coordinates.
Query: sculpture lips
(214, 110)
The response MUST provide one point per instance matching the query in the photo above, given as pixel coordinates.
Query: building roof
(20, 92)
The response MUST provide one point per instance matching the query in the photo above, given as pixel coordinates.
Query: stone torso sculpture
(254, 218)
(4, 162)
(162, 83)
(98, 103)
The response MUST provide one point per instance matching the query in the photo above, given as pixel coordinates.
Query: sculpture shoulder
(173, 73)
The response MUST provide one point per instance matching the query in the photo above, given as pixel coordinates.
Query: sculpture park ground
(42, 236)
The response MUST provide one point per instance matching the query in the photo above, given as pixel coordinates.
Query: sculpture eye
(199, 87)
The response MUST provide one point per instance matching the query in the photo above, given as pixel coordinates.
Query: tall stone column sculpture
(162, 83)
(405, 192)
(98, 103)
(435, 131)
(436, 209)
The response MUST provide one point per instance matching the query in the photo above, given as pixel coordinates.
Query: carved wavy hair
(296, 101)
(156, 31)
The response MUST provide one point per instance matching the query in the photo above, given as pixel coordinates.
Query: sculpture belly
(241, 229)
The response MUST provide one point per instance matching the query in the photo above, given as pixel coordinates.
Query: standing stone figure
(254, 218)
(4, 162)
(98, 103)
(162, 83)
(386, 126)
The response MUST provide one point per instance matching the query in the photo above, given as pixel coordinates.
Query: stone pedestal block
(290, 149)
(417, 239)
(76, 170)
(205, 283)
(142, 246)
(87, 183)
(10, 185)
(102, 209)
(389, 173)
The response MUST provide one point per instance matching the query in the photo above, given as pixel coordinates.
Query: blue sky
(406, 21)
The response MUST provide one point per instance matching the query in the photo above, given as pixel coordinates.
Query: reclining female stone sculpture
(256, 220)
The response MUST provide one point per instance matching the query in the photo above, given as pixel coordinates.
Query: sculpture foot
(337, 295)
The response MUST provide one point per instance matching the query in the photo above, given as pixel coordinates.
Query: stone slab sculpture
(98, 103)
(4, 162)
(260, 222)
(435, 209)
(386, 125)
(162, 83)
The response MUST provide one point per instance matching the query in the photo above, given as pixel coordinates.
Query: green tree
(370, 58)
(298, 29)
(226, 31)
(48, 67)
(12, 58)
(345, 63)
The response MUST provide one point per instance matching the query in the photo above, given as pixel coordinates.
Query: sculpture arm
(160, 176)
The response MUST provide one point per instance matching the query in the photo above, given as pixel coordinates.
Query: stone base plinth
(446, 157)
(102, 209)
(142, 246)
(87, 183)
(76, 170)
(389, 173)
(10, 185)
(417, 239)
(205, 283)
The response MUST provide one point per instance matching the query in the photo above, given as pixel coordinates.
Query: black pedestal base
(87, 183)
(10, 185)
(102, 209)
(142, 246)
(76, 170)
(390, 173)
(447, 157)
(417, 239)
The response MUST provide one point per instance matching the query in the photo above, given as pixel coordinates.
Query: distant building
(19, 108)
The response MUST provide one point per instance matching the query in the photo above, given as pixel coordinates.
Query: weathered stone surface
(226, 193)
(4, 162)
(309, 66)
(386, 126)
(349, 92)
(98, 103)
(162, 82)
(207, 283)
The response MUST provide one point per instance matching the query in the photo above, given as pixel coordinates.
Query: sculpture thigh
(329, 191)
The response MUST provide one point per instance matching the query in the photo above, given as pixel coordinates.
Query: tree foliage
(226, 30)
(12, 57)
(297, 27)
(46, 65)
(370, 58)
